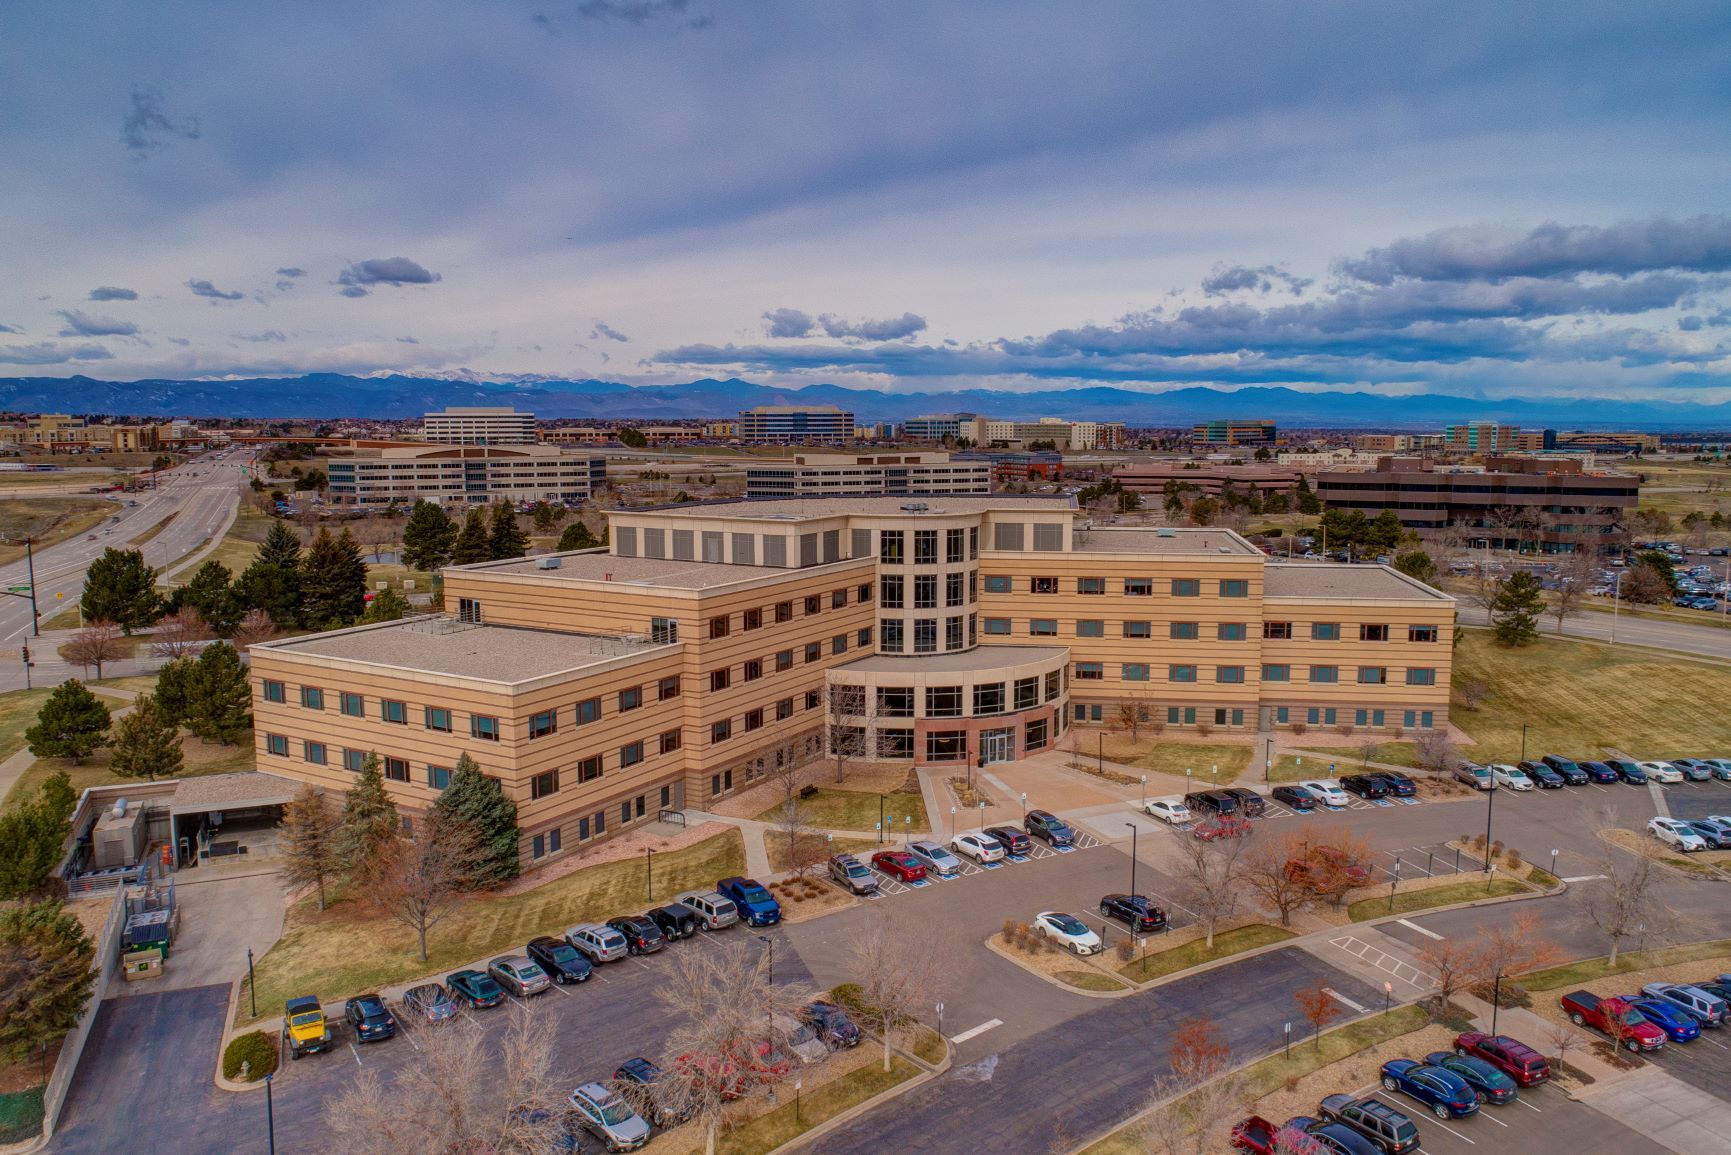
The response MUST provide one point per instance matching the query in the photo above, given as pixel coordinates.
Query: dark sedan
(832, 1024)
(1134, 911)
(1296, 797)
(477, 989)
(1600, 771)
(430, 1003)
(1013, 841)
(1399, 784)
(1492, 1085)
(1543, 776)
(369, 1018)
(1630, 772)
(1567, 767)
(560, 960)
(1369, 786)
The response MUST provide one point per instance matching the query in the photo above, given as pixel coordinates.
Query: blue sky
(1476, 198)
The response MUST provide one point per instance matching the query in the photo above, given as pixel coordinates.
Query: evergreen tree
(506, 539)
(480, 801)
(1308, 502)
(1515, 610)
(174, 691)
(282, 546)
(120, 588)
(369, 820)
(272, 582)
(71, 724)
(577, 536)
(219, 699)
(387, 606)
(47, 973)
(145, 745)
(546, 515)
(1383, 534)
(472, 544)
(427, 537)
(1416, 563)
(309, 842)
(211, 593)
(33, 832)
(333, 581)
(633, 438)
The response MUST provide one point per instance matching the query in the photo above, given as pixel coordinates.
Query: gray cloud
(603, 329)
(10, 329)
(632, 11)
(291, 271)
(146, 126)
(788, 323)
(1690, 324)
(1232, 278)
(206, 289)
(383, 271)
(50, 353)
(80, 324)
(267, 335)
(797, 323)
(1700, 244)
(353, 291)
(409, 340)
(110, 293)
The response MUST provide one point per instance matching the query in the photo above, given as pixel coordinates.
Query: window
(1180, 673)
(925, 547)
(671, 740)
(814, 605)
(1421, 676)
(784, 709)
(1234, 588)
(718, 626)
(953, 633)
(995, 625)
(955, 546)
(396, 769)
(483, 727)
(1043, 585)
(468, 610)
(663, 631)
(720, 731)
(276, 744)
(1139, 587)
(864, 637)
(630, 698)
(837, 599)
(892, 591)
(1277, 631)
(865, 591)
(943, 701)
(1373, 633)
(601, 823)
(537, 846)
(1186, 631)
(1186, 588)
(313, 698)
(895, 701)
(1043, 627)
(890, 635)
(720, 679)
(753, 669)
(630, 754)
(997, 583)
(1034, 735)
(1054, 685)
(895, 743)
(1277, 673)
(439, 777)
(953, 590)
(354, 705)
(1230, 674)
(543, 784)
(925, 635)
(313, 752)
(1092, 628)
(1027, 693)
(669, 688)
(1089, 671)
(813, 699)
(1091, 585)
(354, 759)
(274, 691)
(438, 718)
(1135, 672)
(543, 724)
(1324, 674)
(1324, 716)
(1325, 631)
(989, 699)
(1282, 715)
(890, 547)
(751, 619)
(589, 768)
(838, 644)
(1229, 632)
(814, 651)
(1421, 633)
(753, 720)
(784, 611)
(946, 746)
(1372, 676)
(1138, 630)
(1188, 714)
(1368, 717)
(926, 591)
(783, 660)
(588, 710)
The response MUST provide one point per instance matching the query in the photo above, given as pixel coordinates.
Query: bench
(806, 792)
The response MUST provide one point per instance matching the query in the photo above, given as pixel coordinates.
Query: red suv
(899, 864)
(1523, 1064)
(1325, 862)
(1222, 826)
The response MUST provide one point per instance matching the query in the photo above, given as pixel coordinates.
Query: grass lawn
(345, 950)
(1367, 908)
(18, 709)
(775, 842)
(833, 809)
(1590, 970)
(1088, 981)
(1297, 767)
(1579, 698)
(21, 1115)
(200, 759)
(1393, 753)
(48, 520)
(394, 575)
(143, 683)
(1172, 757)
(238, 546)
(1195, 953)
(771, 1130)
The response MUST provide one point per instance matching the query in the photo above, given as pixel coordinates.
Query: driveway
(219, 919)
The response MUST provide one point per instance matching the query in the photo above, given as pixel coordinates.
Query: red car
(1222, 826)
(1520, 1062)
(899, 864)
(1254, 1134)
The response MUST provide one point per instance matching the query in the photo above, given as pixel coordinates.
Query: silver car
(935, 858)
(597, 943)
(800, 1039)
(519, 974)
(609, 1118)
(850, 873)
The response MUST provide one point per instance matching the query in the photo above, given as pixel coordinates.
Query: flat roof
(231, 792)
(647, 571)
(437, 645)
(981, 659)
(801, 509)
(1177, 540)
(1369, 582)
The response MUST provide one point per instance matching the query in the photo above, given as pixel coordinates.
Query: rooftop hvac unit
(914, 507)
(548, 562)
(1165, 531)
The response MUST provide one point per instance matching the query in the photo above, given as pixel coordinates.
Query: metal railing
(677, 817)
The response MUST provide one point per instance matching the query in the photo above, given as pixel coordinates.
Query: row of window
(1192, 631)
(1271, 672)
(754, 719)
(958, 589)
(482, 726)
(1283, 715)
(1132, 587)
(959, 633)
(541, 785)
(721, 625)
(752, 669)
(949, 701)
(594, 825)
(959, 545)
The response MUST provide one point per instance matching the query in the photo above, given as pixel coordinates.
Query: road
(1595, 625)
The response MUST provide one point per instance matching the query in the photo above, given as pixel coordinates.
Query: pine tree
(71, 724)
(174, 691)
(333, 581)
(472, 544)
(145, 745)
(282, 547)
(219, 699)
(369, 820)
(120, 588)
(1515, 610)
(427, 537)
(33, 832)
(272, 582)
(1416, 563)
(211, 593)
(480, 801)
(47, 972)
(387, 606)
(506, 539)
(578, 536)
(309, 841)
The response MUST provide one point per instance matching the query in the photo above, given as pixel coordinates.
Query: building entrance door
(997, 745)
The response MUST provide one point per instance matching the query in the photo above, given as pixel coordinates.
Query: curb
(926, 1075)
(229, 1034)
(1128, 987)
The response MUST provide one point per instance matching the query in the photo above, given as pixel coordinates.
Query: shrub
(1126, 949)
(256, 1049)
(1514, 859)
(1299, 728)
(1497, 849)
(847, 996)
(1009, 929)
(1205, 728)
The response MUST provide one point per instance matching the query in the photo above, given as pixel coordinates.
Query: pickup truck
(1616, 1018)
(756, 905)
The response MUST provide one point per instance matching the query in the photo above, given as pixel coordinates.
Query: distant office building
(868, 475)
(720, 430)
(1012, 466)
(1046, 433)
(1382, 442)
(479, 425)
(1212, 480)
(933, 426)
(469, 474)
(1609, 442)
(1314, 459)
(1233, 433)
(1480, 437)
(794, 424)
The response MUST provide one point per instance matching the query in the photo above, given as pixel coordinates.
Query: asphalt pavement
(1597, 625)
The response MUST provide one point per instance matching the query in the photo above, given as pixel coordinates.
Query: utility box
(118, 837)
(141, 964)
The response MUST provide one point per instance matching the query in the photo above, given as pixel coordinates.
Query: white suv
(1675, 833)
(979, 847)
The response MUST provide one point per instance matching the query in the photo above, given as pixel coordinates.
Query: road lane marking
(357, 1055)
(975, 1032)
(1585, 878)
(1410, 925)
(1342, 999)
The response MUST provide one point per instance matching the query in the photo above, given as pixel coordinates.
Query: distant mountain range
(332, 395)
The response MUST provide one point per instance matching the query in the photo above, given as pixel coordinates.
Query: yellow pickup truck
(304, 1027)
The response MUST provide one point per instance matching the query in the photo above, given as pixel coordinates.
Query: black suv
(1543, 776)
(1218, 801)
(1390, 1130)
(1365, 785)
(1567, 767)
(832, 1024)
(368, 1017)
(1134, 911)
(676, 920)
(1250, 803)
(1046, 825)
(1399, 784)
(1013, 840)
(559, 959)
(642, 936)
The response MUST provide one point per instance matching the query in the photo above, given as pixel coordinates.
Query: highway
(202, 495)
(1595, 625)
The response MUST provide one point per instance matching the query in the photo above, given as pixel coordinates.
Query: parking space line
(1492, 1118)
(410, 1035)
(1342, 999)
(560, 987)
(1433, 1121)
(1410, 925)
(357, 1055)
(975, 1032)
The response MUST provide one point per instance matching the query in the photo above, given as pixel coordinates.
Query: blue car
(756, 904)
(1631, 773)
(1678, 1025)
(1444, 1092)
(1600, 772)
(1336, 1138)
(1492, 1085)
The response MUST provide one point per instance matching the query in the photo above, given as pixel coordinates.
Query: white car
(1168, 811)
(1661, 771)
(1068, 931)
(1512, 777)
(935, 858)
(1327, 791)
(979, 847)
(1675, 833)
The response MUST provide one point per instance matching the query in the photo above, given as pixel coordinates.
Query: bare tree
(899, 968)
(309, 843)
(96, 644)
(1575, 578)
(181, 634)
(846, 739)
(255, 629)
(419, 879)
(1436, 751)
(1185, 1117)
(1268, 873)
(1318, 1006)
(1197, 1053)
(1509, 949)
(1456, 964)
(1341, 866)
(1563, 1037)
(1209, 877)
(1621, 903)
(804, 848)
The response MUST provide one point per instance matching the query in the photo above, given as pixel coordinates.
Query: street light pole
(1616, 602)
(1496, 1001)
(269, 1114)
(649, 871)
(1133, 833)
(1490, 806)
(1523, 741)
(30, 563)
(251, 985)
(770, 943)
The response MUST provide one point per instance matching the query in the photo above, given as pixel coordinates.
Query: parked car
(755, 904)
(1335, 1138)
(369, 1018)
(1212, 802)
(797, 1037)
(1474, 775)
(832, 1024)
(1322, 865)
(1328, 792)
(1012, 840)
(304, 1029)
(1370, 786)
(851, 875)
(1391, 1131)
(1629, 772)
(1490, 1084)
(1135, 911)
(1721, 768)
(1167, 810)
(1567, 767)
(1510, 777)
(979, 847)
(1250, 803)
(935, 859)
(1679, 1025)
(1296, 797)
(429, 1003)
(1067, 931)
(1662, 772)
(1542, 775)
(1707, 1009)
(519, 974)
(639, 1082)
(1600, 772)
(1045, 825)
(1716, 835)
(1693, 769)
(715, 911)
(599, 943)
(899, 865)
(475, 988)
(559, 960)
(642, 936)
(1509, 1055)
(1444, 1092)
(1254, 1134)
(1399, 785)
(1626, 1026)
(607, 1116)
(1222, 826)
(676, 920)
(1676, 832)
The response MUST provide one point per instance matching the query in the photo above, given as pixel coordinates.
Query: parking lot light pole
(1024, 806)
(1616, 601)
(1490, 806)
(251, 985)
(269, 1115)
(649, 871)
(952, 822)
(1523, 741)
(1142, 804)
(1268, 763)
(1496, 1000)
(881, 798)
(770, 943)
(1134, 831)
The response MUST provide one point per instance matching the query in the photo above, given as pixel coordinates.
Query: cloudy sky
(1491, 198)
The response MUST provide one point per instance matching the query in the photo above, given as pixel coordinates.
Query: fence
(107, 956)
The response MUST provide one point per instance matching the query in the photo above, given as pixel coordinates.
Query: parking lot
(1541, 1119)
